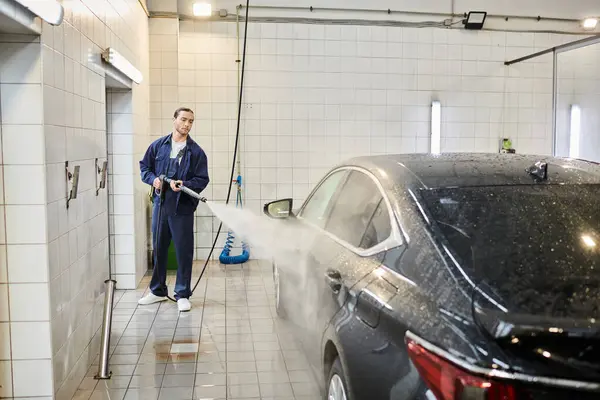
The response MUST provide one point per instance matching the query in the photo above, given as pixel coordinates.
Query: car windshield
(527, 231)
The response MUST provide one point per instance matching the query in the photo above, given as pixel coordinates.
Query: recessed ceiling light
(202, 9)
(590, 23)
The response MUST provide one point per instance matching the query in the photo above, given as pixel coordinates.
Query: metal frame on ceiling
(556, 50)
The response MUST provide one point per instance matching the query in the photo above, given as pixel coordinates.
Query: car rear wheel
(336, 385)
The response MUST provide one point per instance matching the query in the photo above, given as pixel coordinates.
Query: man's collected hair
(180, 110)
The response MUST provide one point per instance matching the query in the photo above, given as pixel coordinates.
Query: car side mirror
(279, 208)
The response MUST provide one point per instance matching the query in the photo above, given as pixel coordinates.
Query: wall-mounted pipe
(419, 13)
(358, 22)
(449, 21)
(360, 10)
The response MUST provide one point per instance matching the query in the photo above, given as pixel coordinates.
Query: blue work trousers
(180, 228)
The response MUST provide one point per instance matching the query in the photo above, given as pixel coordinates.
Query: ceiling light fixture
(202, 9)
(120, 63)
(590, 23)
(50, 11)
(475, 20)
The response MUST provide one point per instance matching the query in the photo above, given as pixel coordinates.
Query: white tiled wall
(25, 351)
(127, 123)
(579, 83)
(77, 119)
(119, 106)
(317, 94)
(54, 259)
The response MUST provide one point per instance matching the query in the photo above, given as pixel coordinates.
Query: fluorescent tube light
(115, 59)
(590, 23)
(50, 11)
(436, 127)
(202, 9)
(575, 131)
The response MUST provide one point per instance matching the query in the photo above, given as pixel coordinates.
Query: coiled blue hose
(225, 258)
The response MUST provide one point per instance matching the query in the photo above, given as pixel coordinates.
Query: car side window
(315, 208)
(354, 208)
(379, 228)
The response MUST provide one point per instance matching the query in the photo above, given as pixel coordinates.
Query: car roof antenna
(539, 171)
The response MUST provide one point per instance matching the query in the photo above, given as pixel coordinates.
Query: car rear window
(524, 230)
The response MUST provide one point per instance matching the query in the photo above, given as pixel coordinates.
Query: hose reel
(225, 257)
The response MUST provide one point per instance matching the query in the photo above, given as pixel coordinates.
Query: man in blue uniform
(179, 157)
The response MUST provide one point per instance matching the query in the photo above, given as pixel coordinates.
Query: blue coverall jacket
(193, 170)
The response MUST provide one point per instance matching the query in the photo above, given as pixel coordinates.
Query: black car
(463, 276)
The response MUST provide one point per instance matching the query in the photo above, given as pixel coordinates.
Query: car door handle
(334, 280)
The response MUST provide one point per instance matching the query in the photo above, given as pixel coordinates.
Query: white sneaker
(151, 298)
(184, 305)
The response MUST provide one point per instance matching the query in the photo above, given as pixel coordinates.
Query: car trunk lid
(568, 348)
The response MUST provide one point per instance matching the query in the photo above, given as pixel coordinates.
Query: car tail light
(449, 382)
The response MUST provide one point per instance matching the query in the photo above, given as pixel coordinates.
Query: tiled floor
(229, 346)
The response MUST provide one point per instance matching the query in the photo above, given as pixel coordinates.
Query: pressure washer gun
(163, 189)
(184, 189)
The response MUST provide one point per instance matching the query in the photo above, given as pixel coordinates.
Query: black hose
(159, 226)
(237, 136)
(159, 223)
